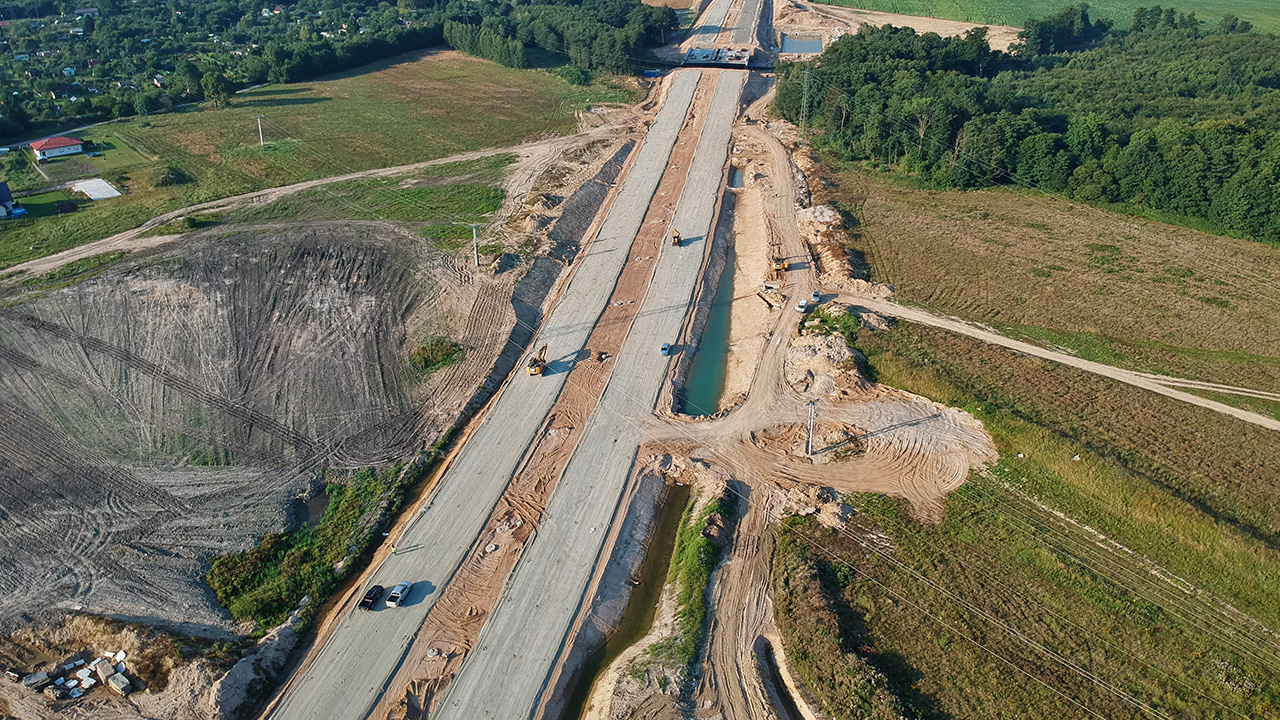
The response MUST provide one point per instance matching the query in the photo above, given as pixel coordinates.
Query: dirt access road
(1160, 384)
(533, 155)
(351, 670)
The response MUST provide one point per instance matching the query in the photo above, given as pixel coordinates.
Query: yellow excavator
(537, 363)
(675, 237)
(779, 264)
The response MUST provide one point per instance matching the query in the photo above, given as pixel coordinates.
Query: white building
(57, 147)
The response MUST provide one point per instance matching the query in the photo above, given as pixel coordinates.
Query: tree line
(1172, 114)
(139, 58)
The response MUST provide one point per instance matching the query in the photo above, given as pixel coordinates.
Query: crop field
(1264, 14)
(1117, 289)
(416, 107)
(1139, 561)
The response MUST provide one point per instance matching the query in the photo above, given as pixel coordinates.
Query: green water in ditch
(706, 376)
(638, 617)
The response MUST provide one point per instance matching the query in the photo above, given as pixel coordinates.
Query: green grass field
(416, 107)
(1116, 544)
(1264, 14)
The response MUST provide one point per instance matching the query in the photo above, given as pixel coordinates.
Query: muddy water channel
(706, 375)
(638, 618)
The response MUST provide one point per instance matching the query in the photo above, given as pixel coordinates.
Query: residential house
(10, 207)
(57, 147)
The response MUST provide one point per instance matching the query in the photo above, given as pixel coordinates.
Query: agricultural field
(1264, 14)
(416, 107)
(1121, 290)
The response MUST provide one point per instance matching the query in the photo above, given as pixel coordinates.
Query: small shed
(120, 684)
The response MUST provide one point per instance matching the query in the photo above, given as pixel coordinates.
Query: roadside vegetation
(825, 640)
(415, 108)
(700, 541)
(72, 272)
(1170, 116)
(265, 583)
(1264, 14)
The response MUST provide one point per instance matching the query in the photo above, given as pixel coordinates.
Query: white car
(802, 306)
(399, 594)
(816, 298)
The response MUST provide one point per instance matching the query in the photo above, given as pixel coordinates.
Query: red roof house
(57, 146)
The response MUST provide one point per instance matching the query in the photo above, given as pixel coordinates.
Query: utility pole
(261, 142)
(475, 244)
(813, 414)
(804, 100)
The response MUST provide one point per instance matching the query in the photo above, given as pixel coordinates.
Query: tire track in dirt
(252, 418)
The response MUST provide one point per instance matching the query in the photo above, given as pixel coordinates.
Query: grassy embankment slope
(1264, 14)
(413, 108)
(1132, 540)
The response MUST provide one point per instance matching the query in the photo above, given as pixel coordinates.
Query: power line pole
(813, 414)
(261, 142)
(804, 100)
(475, 244)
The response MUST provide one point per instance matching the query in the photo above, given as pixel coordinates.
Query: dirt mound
(173, 407)
(821, 365)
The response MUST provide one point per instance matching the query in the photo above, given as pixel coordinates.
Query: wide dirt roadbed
(526, 633)
(350, 673)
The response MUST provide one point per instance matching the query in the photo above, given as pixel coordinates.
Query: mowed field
(416, 107)
(1120, 290)
(1264, 14)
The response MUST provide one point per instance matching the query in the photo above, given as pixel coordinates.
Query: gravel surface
(527, 630)
(350, 673)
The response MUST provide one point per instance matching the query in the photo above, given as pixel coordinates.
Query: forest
(64, 64)
(1175, 114)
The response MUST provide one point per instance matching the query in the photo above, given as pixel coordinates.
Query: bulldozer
(537, 363)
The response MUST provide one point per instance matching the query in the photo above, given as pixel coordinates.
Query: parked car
(399, 594)
(815, 299)
(802, 306)
(93, 154)
(666, 349)
(371, 597)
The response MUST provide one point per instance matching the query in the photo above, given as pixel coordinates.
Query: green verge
(73, 272)
(265, 583)
(694, 558)
(824, 650)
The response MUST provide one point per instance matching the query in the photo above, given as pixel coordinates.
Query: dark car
(371, 597)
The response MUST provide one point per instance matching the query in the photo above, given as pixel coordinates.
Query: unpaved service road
(1160, 384)
(349, 675)
(505, 676)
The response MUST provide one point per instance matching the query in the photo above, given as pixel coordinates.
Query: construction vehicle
(779, 264)
(675, 238)
(537, 363)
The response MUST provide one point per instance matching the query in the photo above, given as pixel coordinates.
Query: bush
(436, 353)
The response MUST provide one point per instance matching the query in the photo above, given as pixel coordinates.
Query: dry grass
(1117, 289)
